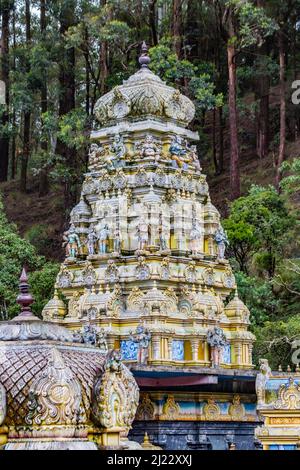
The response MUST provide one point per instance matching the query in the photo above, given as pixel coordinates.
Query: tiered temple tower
(145, 249)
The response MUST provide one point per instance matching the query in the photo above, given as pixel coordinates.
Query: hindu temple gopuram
(145, 274)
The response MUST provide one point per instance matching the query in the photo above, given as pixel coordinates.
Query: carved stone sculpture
(142, 337)
(71, 241)
(261, 380)
(103, 238)
(91, 241)
(216, 340)
(221, 240)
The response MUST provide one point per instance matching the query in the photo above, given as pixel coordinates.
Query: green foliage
(259, 297)
(73, 129)
(252, 24)
(165, 63)
(259, 229)
(16, 252)
(290, 183)
(42, 285)
(274, 341)
(37, 236)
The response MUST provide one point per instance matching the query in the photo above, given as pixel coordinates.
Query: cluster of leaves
(198, 80)
(259, 227)
(16, 252)
(262, 228)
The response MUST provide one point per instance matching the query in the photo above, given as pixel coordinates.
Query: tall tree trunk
(177, 25)
(27, 114)
(67, 91)
(87, 73)
(13, 165)
(263, 117)
(221, 141)
(4, 76)
(234, 147)
(43, 179)
(103, 60)
(214, 143)
(153, 21)
(282, 143)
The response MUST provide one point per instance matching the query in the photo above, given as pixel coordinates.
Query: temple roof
(144, 95)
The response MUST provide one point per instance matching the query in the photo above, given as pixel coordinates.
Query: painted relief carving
(55, 395)
(64, 277)
(211, 410)
(145, 410)
(288, 396)
(115, 396)
(171, 409)
(236, 409)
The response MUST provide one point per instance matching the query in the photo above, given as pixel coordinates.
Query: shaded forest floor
(41, 220)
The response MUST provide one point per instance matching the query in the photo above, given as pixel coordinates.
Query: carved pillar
(170, 342)
(195, 348)
(156, 347)
(206, 352)
(211, 246)
(238, 353)
(250, 349)
(110, 342)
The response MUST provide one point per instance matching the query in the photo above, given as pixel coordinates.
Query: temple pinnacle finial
(24, 298)
(144, 59)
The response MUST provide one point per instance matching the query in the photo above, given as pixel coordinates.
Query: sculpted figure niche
(71, 242)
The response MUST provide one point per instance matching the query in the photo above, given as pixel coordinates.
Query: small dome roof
(55, 307)
(155, 295)
(237, 308)
(210, 298)
(144, 95)
(92, 299)
(210, 210)
(206, 300)
(82, 209)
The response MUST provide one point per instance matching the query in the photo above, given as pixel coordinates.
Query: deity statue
(142, 233)
(261, 380)
(95, 152)
(142, 337)
(118, 149)
(103, 237)
(221, 240)
(114, 361)
(195, 237)
(216, 340)
(71, 242)
(162, 238)
(149, 148)
(194, 158)
(89, 335)
(101, 341)
(91, 240)
(178, 152)
(117, 241)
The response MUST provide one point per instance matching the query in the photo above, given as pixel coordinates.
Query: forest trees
(15, 252)
(58, 57)
(5, 12)
(242, 25)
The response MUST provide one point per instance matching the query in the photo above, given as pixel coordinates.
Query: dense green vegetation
(15, 252)
(236, 59)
